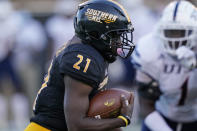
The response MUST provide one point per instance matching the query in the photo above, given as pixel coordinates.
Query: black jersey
(77, 60)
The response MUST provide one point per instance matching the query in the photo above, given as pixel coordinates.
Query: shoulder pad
(147, 54)
(83, 63)
(148, 48)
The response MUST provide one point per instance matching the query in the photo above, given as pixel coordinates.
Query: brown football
(107, 103)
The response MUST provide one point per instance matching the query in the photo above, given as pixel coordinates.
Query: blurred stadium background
(31, 31)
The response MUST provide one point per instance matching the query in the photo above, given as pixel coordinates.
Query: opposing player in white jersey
(168, 56)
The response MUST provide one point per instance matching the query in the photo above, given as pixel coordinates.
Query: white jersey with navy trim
(178, 85)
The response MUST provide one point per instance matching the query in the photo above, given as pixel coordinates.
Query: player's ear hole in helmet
(106, 26)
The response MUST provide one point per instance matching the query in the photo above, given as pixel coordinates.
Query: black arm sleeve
(149, 90)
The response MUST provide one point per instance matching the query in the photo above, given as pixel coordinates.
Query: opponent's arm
(187, 57)
(76, 103)
(148, 92)
(147, 86)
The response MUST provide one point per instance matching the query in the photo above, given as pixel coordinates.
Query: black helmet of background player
(106, 26)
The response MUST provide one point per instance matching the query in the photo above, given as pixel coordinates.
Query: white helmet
(178, 26)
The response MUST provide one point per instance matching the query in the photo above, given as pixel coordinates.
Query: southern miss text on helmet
(106, 26)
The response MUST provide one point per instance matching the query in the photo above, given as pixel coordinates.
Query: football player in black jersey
(79, 70)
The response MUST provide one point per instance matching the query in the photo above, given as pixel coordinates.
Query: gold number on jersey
(76, 65)
(87, 65)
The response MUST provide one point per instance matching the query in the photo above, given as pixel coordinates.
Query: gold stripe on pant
(35, 127)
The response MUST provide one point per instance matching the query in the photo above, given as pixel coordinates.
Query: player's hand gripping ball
(107, 103)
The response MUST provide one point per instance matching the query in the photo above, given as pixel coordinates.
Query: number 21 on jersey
(76, 65)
